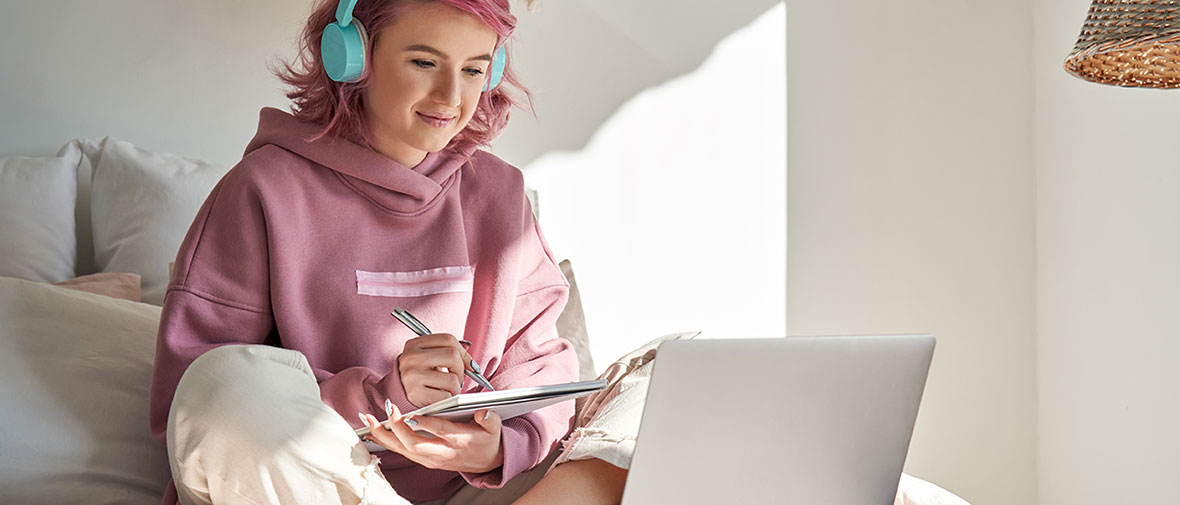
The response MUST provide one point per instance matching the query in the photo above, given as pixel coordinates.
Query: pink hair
(339, 107)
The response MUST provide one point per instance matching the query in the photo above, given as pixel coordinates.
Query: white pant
(247, 426)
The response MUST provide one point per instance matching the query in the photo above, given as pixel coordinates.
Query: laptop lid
(798, 420)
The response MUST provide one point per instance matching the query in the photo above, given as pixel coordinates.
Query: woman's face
(429, 67)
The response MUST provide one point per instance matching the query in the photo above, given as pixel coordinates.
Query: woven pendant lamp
(1129, 43)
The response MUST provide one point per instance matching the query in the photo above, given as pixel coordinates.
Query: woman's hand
(431, 368)
(458, 447)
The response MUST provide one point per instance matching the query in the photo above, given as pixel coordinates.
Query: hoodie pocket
(417, 283)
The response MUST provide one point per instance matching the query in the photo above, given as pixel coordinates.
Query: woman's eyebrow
(440, 54)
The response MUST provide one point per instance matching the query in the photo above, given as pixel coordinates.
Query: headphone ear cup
(496, 72)
(342, 51)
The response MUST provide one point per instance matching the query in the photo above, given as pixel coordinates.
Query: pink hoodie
(309, 245)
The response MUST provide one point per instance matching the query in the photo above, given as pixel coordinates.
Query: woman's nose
(447, 91)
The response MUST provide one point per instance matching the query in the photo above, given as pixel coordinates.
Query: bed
(86, 238)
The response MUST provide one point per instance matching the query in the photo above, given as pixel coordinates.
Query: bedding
(74, 374)
(122, 285)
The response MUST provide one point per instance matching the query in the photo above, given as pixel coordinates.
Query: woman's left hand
(472, 447)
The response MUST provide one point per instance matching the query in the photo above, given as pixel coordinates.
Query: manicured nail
(465, 343)
(364, 420)
(388, 407)
(475, 367)
(411, 423)
(487, 414)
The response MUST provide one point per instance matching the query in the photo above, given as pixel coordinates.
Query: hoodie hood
(405, 189)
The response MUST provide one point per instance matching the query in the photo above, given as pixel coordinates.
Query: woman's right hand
(431, 368)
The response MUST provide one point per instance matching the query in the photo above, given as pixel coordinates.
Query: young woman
(276, 329)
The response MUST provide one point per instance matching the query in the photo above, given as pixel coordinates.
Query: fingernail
(475, 367)
(411, 423)
(388, 407)
(364, 420)
(465, 343)
(487, 414)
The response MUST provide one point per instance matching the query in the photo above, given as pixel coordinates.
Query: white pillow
(142, 204)
(75, 369)
(37, 216)
(91, 150)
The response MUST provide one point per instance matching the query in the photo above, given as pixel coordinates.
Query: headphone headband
(344, 11)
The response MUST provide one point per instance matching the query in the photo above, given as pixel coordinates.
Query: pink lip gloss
(433, 121)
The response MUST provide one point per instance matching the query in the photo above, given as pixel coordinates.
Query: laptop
(792, 421)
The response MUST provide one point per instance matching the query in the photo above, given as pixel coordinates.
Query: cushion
(571, 325)
(75, 369)
(37, 215)
(142, 204)
(120, 285)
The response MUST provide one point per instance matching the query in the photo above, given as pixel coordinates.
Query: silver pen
(416, 326)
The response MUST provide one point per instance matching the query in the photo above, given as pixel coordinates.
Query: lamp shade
(1129, 43)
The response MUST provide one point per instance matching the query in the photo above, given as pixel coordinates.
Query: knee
(234, 388)
(235, 367)
(240, 360)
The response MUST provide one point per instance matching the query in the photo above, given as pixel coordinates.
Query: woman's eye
(474, 72)
(423, 63)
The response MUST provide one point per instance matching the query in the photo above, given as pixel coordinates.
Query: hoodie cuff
(394, 390)
(360, 390)
(519, 442)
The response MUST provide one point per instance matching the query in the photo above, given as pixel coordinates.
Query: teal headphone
(342, 49)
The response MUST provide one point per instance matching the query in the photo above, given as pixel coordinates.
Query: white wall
(674, 214)
(910, 209)
(1108, 276)
(190, 77)
(182, 77)
(659, 153)
(584, 58)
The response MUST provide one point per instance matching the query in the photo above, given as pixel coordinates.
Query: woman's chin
(435, 145)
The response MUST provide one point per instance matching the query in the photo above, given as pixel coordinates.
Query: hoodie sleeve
(218, 293)
(533, 356)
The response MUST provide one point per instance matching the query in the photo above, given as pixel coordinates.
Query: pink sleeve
(533, 356)
(210, 301)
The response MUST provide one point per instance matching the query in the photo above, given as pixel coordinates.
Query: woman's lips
(436, 121)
